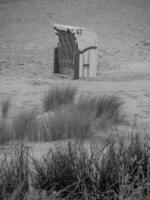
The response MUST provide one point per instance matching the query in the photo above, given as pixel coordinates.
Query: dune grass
(67, 122)
(5, 129)
(5, 132)
(14, 173)
(5, 107)
(58, 96)
(70, 122)
(118, 170)
(66, 118)
(108, 110)
(81, 119)
(24, 126)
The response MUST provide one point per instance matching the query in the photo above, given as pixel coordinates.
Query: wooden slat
(70, 49)
(76, 64)
(67, 47)
(63, 50)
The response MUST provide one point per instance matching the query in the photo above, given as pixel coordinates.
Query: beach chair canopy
(76, 51)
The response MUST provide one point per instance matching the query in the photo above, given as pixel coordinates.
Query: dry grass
(5, 132)
(70, 122)
(108, 110)
(58, 96)
(5, 107)
(24, 126)
(65, 118)
(14, 173)
(119, 170)
(67, 122)
(5, 129)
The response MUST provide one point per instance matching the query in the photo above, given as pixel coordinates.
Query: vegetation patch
(117, 170)
(63, 117)
(14, 173)
(58, 96)
(70, 122)
(5, 128)
(5, 132)
(24, 126)
(5, 107)
(108, 110)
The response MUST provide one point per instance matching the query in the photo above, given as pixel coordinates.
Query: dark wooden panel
(68, 58)
(56, 65)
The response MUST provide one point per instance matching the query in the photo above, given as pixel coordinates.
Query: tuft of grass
(5, 132)
(5, 107)
(43, 122)
(66, 171)
(82, 119)
(5, 128)
(118, 170)
(68, 122)
(125, 168)
(110, 105)
(87, 103)
(58, 96)
(107, 110)
(24, 126)
(14, 173)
